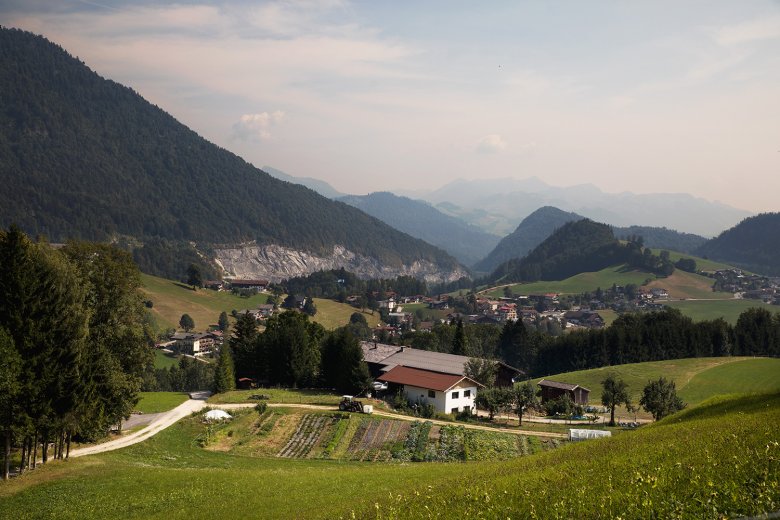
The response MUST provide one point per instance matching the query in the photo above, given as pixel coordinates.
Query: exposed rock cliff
(275, 263)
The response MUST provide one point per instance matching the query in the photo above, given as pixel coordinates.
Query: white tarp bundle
(217, 415)
(581, 435)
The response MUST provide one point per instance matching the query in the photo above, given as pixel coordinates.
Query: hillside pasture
(278, 395)
(580, 283)
(172, 299)
(682, 285)
(729, 310)
(708, 377)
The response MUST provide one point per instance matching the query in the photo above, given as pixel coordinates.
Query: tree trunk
(67, 450)
(21, 462)
(7, 455)
(35, 449)
(45, 448)
(520, 419)
(612, 416)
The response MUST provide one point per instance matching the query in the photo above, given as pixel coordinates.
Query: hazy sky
(655, 96)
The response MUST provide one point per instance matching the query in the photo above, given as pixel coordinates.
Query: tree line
(73, 344)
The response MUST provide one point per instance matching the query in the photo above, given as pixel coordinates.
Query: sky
(643, 96)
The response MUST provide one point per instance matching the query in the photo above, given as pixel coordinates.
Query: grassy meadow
(172, 299)
(278, 395)
(156, 402)
(696, 378)
(718, 460)
(729, 310)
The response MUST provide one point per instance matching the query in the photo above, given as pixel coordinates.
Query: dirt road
(161, 422)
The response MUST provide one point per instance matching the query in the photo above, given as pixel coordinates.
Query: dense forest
(752, 244)
(662, 238)
(465, 242)
(337, 284)
(83, 157)
(632, 338)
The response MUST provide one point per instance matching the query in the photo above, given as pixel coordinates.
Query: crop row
(306, 435)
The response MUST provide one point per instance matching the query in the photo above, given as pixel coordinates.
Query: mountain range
(498, 205)
(84, 157)
(419, 219)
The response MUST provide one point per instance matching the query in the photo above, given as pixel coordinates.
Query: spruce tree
(224, 375)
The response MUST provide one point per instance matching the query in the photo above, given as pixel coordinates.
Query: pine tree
(247, 358)
(459, 346)
(343, 367)
(224, 376)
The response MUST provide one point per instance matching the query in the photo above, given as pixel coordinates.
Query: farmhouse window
(467, 393)
(455, 395)
(455, 410)
(432, 394)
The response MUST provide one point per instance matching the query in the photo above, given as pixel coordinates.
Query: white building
(447, 392)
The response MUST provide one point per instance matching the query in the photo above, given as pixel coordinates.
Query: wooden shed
(553, 390)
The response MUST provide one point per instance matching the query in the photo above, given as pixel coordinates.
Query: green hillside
(697, 379)
(752, 244)
(720, 460)
(729, 310)
(172, 299)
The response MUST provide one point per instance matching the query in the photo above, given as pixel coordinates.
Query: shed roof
(562, 386)
(423, 378)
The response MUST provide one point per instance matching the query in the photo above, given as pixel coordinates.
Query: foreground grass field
(156, 402)
(696, 378)
(721, 459)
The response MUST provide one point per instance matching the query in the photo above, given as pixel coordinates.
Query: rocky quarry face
(275, 263)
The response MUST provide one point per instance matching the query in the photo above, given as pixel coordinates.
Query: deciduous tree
(614, 393)
(660, 398)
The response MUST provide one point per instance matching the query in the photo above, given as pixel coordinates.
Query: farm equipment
(349, 404)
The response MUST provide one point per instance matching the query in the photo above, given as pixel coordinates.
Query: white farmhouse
(447, 392)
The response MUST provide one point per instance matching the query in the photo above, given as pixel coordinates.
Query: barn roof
(374, 352)
(562, 386)
(423, 378)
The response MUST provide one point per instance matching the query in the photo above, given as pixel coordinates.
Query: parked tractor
(349, 404)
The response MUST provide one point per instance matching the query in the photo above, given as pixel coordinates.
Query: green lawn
(741, 375)
(279, 395)
(729, 310)
(156, 402)
(164, 359)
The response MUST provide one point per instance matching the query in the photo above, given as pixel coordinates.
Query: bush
(560, 406)
(261, 407)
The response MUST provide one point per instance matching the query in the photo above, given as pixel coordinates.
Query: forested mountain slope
(531, 232)
(464, 241)
(85, 157)
(753, 244)
(574, 248)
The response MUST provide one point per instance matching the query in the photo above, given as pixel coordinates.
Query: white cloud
(256, 127)
(491, 143)
(762, 29)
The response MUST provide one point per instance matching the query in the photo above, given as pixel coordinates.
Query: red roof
(423, 378)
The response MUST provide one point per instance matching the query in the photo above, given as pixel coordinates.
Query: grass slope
(164, 359)
(156, 402)
(172, 299)
(729, 310)
(696, 378)
(719, 460)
